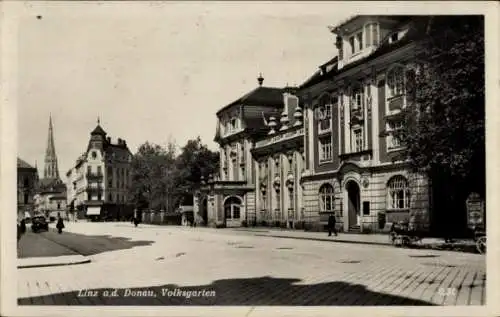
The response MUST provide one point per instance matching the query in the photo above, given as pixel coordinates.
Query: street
(167, 265)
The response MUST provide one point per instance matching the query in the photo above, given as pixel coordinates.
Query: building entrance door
(232, 211)
(353, 203)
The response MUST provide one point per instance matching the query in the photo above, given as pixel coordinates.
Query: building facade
(297, 156)
(98, 183)
(27, 182)
(352, 107)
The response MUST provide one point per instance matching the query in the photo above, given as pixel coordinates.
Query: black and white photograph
(249, 157)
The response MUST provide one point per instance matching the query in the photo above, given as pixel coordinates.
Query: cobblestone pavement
(194, 266)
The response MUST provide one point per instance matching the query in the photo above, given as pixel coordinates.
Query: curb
(325, 240)
(28, 266)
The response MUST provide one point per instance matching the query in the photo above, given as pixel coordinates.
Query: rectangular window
(375, 34)
(359, 38)
(358, 140)
(264, 200)
(357, 99)
(99, 170)
(325, 149)
(351, 45)
(292, 200)
(368, 35)
(392, 141)
(89, 169)
(325, 118)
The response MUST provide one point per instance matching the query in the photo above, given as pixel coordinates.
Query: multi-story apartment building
(98, 183)
(299, 155)
(27, 179)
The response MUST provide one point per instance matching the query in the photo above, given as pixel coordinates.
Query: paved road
(198, 266)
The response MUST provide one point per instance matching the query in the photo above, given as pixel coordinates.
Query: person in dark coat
(60, 224)
(331, 225)
(21, 229)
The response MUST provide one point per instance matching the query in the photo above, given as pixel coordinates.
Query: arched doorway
(232, 211)
(204, 211)
(353, 207)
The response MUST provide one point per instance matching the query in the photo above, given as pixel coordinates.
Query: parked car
(39, 222)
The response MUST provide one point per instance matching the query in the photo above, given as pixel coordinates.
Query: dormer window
(351, 45)
(359, 38)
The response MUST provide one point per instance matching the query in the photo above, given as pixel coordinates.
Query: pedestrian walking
(21, 229)
(331, 225)
(60, 223)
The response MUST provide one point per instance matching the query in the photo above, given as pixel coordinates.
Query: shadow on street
(50, 243)
(237, 292)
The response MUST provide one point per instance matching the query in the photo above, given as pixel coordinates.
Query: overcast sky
(154, 72)
(158, 71)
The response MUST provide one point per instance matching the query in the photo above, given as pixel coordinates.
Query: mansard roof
(325, 71)
(260, 96)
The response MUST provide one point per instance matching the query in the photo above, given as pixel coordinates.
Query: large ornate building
(295, 156)
(98, 183)
(51, 192)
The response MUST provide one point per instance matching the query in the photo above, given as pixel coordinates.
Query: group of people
(21, 227)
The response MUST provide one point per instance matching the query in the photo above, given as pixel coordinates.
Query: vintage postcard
(249, 158)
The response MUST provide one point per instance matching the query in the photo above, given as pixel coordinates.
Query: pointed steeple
(51, 170)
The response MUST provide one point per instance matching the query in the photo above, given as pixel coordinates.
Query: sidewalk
(35, 250)
(51, 261)
(370, 239)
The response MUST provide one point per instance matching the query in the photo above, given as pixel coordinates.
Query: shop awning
(93, 211)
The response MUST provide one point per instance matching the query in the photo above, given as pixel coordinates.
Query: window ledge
(396, 97)
(344, 156)
(397, 210)
(396, 149)
(325, 131)
(321, 162)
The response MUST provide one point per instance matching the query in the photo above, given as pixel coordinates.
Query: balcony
(94, 176)
(280, 138)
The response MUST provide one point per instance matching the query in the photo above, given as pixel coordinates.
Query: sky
(159, 71)
(155, 72)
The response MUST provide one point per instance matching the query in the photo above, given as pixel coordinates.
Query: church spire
(51, 170)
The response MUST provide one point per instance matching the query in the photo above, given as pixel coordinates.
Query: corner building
(291, 157)
(98, 183)
(354, 166)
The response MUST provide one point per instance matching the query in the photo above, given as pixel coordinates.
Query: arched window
(395, 82)
(398, 193)
(326, 197)
(232, 208)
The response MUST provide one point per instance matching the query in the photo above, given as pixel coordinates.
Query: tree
(444, 130)
(161, 180)
(194, 162)
(152, 169)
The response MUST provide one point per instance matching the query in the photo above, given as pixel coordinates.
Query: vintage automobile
(38, 223)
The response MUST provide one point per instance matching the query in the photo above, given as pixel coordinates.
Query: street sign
(475, 210)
